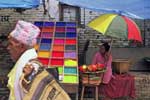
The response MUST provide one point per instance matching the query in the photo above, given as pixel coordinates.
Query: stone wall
(142, 83)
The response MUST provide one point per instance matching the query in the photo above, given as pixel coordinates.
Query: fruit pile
(91, 68)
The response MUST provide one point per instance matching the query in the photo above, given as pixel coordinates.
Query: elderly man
(20, 46)
(26, 80)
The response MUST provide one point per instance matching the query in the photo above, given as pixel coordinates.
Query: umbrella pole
(111, 45)
(109, 52)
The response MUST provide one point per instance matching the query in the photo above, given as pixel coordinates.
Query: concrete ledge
(136, 55)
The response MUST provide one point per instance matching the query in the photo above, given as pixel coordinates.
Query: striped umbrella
(116, 26)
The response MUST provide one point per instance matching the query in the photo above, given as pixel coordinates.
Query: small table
(91, 79)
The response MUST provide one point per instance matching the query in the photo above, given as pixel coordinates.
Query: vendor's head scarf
(107, 46)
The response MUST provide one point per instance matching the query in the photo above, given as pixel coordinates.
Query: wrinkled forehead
(12, 40)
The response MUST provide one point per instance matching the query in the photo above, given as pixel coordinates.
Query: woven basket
(92, 77)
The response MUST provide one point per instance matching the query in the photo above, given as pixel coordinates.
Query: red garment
(98, 58)
(120, 86)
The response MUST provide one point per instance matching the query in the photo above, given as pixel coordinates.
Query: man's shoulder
(35, 60)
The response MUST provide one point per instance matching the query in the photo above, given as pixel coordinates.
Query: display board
(57, 47)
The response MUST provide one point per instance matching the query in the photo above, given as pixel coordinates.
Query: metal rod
(144, 33)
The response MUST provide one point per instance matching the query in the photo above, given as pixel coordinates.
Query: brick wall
(30, 15)
(8, 18)
(147, 33)
(96, 37)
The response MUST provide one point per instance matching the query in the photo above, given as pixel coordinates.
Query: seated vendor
(104, 56)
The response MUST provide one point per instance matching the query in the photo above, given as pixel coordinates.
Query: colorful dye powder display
(57, 47)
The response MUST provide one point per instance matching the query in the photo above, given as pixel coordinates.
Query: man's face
(14, 48)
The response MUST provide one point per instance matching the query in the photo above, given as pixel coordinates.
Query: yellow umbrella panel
(102, 23)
